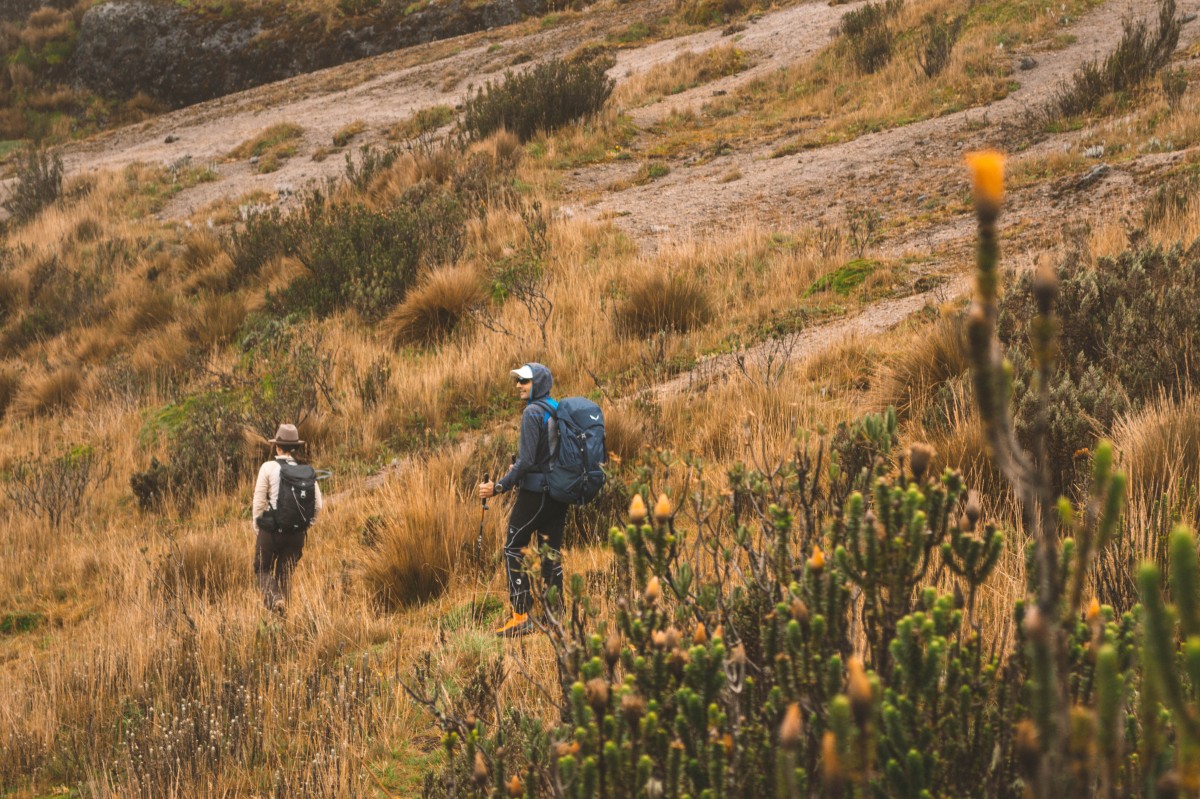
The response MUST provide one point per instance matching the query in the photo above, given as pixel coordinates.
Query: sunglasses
(524, 381)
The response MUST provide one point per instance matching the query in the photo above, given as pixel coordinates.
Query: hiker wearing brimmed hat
(534, 511)
(287, 500)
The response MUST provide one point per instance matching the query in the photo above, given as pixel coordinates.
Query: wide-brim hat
(524, 373)
(286, 434)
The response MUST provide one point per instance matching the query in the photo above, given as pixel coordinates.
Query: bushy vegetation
(1138, 57)
(283, 375)
(1123, 322)
(868, 34)
(935, 42)
(740, 662)
(543, 98)
(39, 184)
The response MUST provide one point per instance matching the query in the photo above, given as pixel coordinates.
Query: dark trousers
(534, 512)
(275, 558)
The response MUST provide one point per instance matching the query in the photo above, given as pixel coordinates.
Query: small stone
(1027, 63)
(171, 139)
(254, 159)
(1092, 176)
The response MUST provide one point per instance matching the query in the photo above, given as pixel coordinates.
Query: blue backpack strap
(551, 406)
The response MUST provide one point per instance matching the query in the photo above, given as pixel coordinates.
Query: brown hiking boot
(518, 625)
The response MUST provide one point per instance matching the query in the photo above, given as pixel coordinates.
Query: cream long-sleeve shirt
(266, 492)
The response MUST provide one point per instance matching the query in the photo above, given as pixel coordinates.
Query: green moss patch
(845, 278)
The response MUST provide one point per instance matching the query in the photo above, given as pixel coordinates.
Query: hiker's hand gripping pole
(482, 513)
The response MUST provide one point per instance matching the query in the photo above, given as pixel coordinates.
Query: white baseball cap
(524, 373)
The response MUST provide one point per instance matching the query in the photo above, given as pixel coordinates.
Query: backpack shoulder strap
(549, 405)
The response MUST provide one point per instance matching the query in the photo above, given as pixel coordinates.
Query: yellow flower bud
(662, 508)
(514, 786)
(987, 176)
(817, 561)
(480, 771)
(653, 590)
(1093, 610)
(700, 637)
(792, 727)
(859, 690)
(637, 509)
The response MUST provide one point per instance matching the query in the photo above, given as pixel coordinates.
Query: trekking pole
(482, 514)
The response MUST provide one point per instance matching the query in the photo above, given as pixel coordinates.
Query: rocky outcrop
(130, 46)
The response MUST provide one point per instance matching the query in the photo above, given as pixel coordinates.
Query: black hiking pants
(534, 512)
(275, 558)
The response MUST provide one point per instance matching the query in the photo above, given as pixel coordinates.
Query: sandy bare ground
(384, 90)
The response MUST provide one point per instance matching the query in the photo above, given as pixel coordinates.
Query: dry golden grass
(271, 146)
(435, 308)
(1159, 448)
(54, 391)
(422, 530)
(687, 70)
(214, 320)
(175, 625)
(662, 300)
(10, 386)
(930, 358)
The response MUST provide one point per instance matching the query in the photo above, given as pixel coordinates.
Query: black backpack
(297, 497)
(576, 476)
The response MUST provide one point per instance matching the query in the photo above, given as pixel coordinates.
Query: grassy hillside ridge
(145, 359)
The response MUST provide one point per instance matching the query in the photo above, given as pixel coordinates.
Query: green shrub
(56, 488)
(543, 98)
(367, 260)
(206, 445)
(935, 42)
(38, 184)
(1137, 58)
(868, 36)
(1127, 323)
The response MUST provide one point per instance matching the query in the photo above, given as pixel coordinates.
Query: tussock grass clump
(425, 532)
(543, 98)
(911, 378)
(49, 393)
(153, 309)
(435, 308)
(203, 567)
(1159, 447)
(624, 433)
(271, 147)
(1137, 58)
(215, 321)
(422, 124)
(662, 300)
(347, 133)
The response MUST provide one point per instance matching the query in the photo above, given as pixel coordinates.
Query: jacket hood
(542, 381)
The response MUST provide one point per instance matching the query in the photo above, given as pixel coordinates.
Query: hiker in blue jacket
(534, 510)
